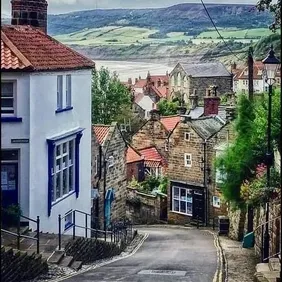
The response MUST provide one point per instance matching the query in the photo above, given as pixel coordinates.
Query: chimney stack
(194, 99)
(211, 102)
(155, 115)
(30, 12)
(129, 81)
(136, 80)
(181, 110)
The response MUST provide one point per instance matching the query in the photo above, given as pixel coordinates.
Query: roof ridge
(15, 50)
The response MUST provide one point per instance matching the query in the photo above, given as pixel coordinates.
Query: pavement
(168, 254)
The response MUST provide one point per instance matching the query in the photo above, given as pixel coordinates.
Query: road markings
(163, 272)
(92, 267)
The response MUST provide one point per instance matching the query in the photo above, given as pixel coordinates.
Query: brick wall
(116, 175)
(19, 266)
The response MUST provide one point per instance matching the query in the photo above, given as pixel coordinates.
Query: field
(124, 36)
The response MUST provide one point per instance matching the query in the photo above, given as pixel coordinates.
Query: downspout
(205, 183)
(99, 177)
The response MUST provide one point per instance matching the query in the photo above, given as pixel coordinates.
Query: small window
(166, 146)
(68, 220)
(187, 136)
(8, 98)
(216, 201)
(188, 160)
(111, 161)
(68, 90)
(59, 92)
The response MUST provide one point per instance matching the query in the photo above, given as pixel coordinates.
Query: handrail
(277, 254)
(28, 218)
(82, 212)
(265, 223)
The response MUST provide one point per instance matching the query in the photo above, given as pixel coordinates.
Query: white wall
(19, 130)
(45, 123)
(146, 103)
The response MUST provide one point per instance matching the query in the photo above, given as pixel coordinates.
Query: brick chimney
(155, 114)
(194, 99)
(136, 80)
(129, 81)
(181, 110)
(30, 12)
(211, 101)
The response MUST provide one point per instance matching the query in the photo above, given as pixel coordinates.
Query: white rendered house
(46, 127)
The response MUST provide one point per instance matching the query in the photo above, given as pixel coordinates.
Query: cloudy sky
(64, 6)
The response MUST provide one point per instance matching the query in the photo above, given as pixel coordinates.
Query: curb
(165, 226)
(92, 267)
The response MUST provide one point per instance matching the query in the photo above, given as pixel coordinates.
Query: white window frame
(68, 90)
(166, 146)
(187, 199)
(14, 107)
(186, 155)
(61, 164)
(216, 201)
(187, 134)
(60, 87)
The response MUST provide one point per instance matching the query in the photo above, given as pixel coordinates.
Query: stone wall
(145, 208)
(19, 266)
(90, 250)
(237, 219)
(115, 147)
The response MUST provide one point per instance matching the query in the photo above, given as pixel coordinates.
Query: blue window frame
(63, 166)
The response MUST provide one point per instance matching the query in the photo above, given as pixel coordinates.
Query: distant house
(108, 173)
(134, 165)
(45, 120)
(193, 193)
(241, 78)
(148, 92)
(185, 79)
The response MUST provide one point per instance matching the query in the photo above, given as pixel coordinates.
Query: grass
(237, 33)
(128, 35)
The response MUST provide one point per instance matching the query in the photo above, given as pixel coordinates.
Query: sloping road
(167, 255)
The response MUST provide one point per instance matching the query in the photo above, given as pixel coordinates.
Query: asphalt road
(166, 255)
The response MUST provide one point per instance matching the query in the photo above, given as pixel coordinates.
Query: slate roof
(199, 112)
(26, 47)
(169, 122)
(206, 69)
(132, 155)
(101, 132)
(206, 127)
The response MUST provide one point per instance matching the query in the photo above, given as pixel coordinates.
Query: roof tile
(169, 122)
(132, 155)
(42, 51)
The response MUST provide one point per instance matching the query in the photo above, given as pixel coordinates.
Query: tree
(168, 108)
(273, 7)
(111, 100)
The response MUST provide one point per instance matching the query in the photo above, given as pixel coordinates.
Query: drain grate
(163, 272)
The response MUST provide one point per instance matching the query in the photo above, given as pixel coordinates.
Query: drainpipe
(205, 183)
(104, 191)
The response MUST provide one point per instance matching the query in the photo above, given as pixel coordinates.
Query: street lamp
(271, 64)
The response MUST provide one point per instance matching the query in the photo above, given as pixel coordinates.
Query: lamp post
(271, 64)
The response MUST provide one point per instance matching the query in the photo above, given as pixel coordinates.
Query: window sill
(63, 110)
(11, 119)
(63, 198)
(182, 213)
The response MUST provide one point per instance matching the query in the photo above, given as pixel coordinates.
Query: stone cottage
(108, 173)
(185, 78)
(193, 193)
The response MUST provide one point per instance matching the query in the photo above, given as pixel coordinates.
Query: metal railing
(259, 245)
(117, 231)
(19, 235)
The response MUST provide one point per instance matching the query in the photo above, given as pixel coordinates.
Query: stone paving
(241, 262)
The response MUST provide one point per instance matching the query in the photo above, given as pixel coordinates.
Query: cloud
(65, 6)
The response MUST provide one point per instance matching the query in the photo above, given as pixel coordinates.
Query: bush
(10, 215)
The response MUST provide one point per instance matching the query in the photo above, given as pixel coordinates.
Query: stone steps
(60, 258)
(268, 272)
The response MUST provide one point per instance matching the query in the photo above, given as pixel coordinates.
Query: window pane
(65, 182)
(68, 92)
(71, 178)
(59, 91)
(7, 103)
(58, 164)
(176, 205)
(183, 206)
(64, 148)
(58, 150)
(7, 89)
(176, 193)
(65, 164)
(71, 151)
(9, 155)
(189, 208)
(183, 194)
(58, 185)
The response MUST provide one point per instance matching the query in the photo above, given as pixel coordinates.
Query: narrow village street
(166, 255)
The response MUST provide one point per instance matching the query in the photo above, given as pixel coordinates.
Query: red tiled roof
(169, 122)
(132, 155)
(26, 46)
(101, 132)
(140, 83)
(151, 154)
(138, 97)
